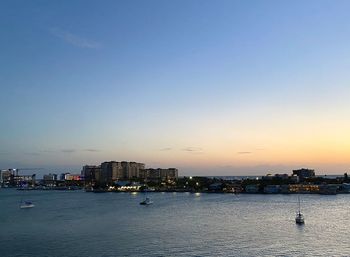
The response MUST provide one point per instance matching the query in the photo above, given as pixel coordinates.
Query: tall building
(7, 176)
(111, 171)
(91, 174)
(132, 169)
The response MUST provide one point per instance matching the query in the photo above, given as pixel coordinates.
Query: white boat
(26, 205)
(299, 219)
(147, 201)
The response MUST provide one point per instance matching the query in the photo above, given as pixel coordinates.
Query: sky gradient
(209, 87)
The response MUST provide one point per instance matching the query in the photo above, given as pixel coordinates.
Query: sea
(77, 223)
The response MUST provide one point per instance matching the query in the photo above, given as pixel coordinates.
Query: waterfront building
(111, 171)
(254, 188)
(284, 189)
(329, 189)
(159, 174)
(276, 177)
(131, 169)
(134, 169)
(344, 188)
(304, 188)
(63, 176)
(91, 173)
(282, 176)
(6, 176)
(272, 189)
(304, 173)
(73, 177)
(215, 187)
(24, 180)
(106, 172)
(50, 179)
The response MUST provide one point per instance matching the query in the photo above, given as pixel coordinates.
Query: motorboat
(26, 205)
(147, 201)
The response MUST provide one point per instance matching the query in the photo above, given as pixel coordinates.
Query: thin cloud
(244, 152)
(73, 39)
(194, 150)
(48, 151)
(91, 150)
(33, 153)
(68, 150)
(166, 149)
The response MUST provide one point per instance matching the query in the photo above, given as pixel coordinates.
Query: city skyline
(211, 88)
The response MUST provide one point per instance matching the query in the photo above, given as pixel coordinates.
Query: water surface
(75, 223)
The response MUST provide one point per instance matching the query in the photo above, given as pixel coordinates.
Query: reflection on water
(182, 224)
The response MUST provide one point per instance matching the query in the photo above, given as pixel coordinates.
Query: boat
(147, 201)
(26, 205)
(299, 219)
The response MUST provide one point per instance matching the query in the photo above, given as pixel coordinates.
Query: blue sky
(210, 87)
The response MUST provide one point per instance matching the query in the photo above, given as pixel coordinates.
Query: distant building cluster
(11, 177)
(301, 181)
(114, 176)
(109, 172)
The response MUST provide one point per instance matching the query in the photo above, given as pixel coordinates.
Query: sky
(209, 87)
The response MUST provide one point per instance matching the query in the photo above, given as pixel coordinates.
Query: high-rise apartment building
(111, 171)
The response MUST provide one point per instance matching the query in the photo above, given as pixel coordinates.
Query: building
(6, 177)
(272, 189)
(73, 177)
(304, 173)
(159, 174)
(50, 179)
(63, 176)
(252, 189)
(111, 171)
(303, 188)
(11, 178)
(91, 173)
(134, 169)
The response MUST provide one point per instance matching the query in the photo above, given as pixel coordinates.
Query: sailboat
(299, 219)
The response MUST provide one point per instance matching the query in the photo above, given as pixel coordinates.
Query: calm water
(177, 224)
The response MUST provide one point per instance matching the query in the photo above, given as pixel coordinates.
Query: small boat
(26, 205)
(147, 201)
(299, 219)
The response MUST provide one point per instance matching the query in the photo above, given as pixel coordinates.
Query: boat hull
(27, 206)
(143, 203)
